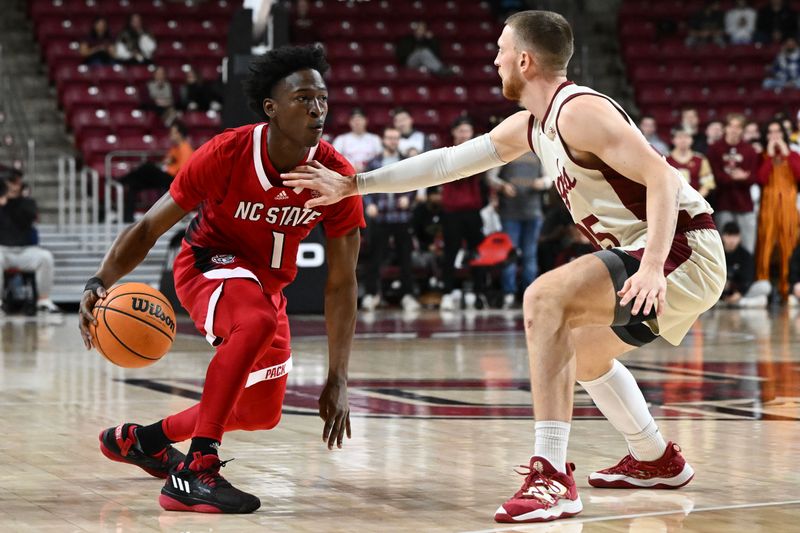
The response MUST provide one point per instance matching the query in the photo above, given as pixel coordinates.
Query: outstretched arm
(504, 143)
(128, 250)
(622, 148)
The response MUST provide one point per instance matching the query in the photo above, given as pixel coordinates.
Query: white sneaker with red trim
(670, 471)
(546, 494)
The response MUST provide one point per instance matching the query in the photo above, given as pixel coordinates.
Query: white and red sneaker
(670, 471)
(546, 494)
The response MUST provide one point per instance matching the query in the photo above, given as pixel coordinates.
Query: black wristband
(93, 284)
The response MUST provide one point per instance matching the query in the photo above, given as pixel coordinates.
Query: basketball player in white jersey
(660, 267)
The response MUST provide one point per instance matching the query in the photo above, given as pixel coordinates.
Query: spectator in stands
(389, 218)
(707, 25)
(135, 46)
(303, 28)
(752, 135)
(520, 186)
(777, 216)
(420, 50)
(427, 223)
(776, 22)
(19, 240)
(358, 145)
(650, 130)
(786, 67)
(198, 95)
(150, 176)
(462, 201)
(735, 167)
(714, 132)
(690, 122)
(410, 138)
(556, 233)
(576, 245)
(159, 93)
(794, 278)
(740, 23)
(694, 167)
(740, 291)
(98, 48)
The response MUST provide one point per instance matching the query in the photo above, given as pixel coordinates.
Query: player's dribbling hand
(334, 409)
(647, 288)
(331, 186)
(85, 317)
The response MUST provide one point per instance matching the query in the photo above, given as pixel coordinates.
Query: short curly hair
(269, 69)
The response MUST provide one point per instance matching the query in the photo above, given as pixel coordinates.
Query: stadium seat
(132, 122)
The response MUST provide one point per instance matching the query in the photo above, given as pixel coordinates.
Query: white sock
(551, 443)
(618, 397)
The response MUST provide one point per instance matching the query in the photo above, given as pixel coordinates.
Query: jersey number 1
(585, 227)
(277, 249)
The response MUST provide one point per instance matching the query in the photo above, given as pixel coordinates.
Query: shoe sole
(572, 508)
(119, 459)
(624, 484)
(168, 503)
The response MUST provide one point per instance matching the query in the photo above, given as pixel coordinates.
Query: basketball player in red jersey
(238, 254)
(661, 263)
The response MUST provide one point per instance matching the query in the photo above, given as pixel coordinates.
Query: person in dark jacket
(18, 247)
(794, 278)
(420, 50)
(740, 290)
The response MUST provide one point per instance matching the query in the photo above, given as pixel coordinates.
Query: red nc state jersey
(245, 215)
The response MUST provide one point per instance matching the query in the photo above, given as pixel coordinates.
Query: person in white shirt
(359, 146)
(740, 23)
(410, 139)
(134, 44)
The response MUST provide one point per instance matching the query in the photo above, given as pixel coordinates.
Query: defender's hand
(330, 185)
(88, 300)
(334, 409)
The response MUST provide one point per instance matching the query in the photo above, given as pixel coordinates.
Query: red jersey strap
(259, 141)
(530, 133)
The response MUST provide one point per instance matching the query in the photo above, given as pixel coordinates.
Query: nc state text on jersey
(282, 216)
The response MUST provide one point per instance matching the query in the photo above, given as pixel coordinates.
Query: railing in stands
(115, 221)
(79, 203)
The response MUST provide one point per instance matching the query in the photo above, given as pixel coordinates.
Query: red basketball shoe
(546, 494)
(670, 471)
(119, 444)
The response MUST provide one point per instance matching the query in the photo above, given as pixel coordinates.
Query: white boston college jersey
(608, 208)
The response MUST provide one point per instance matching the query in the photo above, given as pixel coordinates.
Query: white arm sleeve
(432, 168)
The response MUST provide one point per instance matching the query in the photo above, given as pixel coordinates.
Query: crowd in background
(748, 172)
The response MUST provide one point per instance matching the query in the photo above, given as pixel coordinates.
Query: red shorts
(200, 290)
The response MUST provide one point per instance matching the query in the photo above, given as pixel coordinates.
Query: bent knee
(256, 421)
(545, 295)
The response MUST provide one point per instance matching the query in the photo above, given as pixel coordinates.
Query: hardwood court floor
(440, 417)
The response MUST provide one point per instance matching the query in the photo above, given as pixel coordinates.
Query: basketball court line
(541, 525)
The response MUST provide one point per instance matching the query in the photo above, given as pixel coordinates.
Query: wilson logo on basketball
(144, 306)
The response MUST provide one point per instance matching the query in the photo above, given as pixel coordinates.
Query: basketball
(135, 325)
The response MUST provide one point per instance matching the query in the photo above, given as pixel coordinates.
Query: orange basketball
(135, 325)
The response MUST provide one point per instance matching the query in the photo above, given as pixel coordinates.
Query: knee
(258, 324)
(542, 297)
(43, 258)
(257, 419)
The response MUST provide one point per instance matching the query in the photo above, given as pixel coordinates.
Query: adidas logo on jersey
(282, 196)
